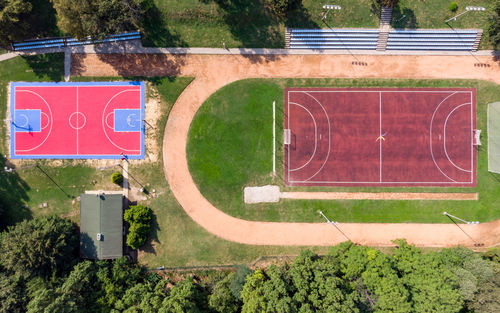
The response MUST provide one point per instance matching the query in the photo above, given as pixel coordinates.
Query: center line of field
(380, 133)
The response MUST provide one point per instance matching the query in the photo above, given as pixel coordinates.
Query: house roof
(101, 214)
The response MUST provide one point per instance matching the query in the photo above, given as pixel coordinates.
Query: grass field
(230, 147)
(208, 23)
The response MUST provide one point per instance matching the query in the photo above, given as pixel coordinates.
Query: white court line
(471, 140)
(315, 139)
(329, 135)
(444, 138)
(380, 133)
(51, 124)
(377, 182)
(103, 119)
(77, 122)
(48, 120)
(387, 91)
(430, 136)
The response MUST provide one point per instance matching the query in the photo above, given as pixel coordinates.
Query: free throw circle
(77, 120)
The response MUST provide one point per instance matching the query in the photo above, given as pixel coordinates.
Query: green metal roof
(101, 214)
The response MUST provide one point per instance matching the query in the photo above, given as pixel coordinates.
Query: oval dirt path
(212, 72)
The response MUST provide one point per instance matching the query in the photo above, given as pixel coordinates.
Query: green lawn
(205, 23)
(200, 23)
(230, 147)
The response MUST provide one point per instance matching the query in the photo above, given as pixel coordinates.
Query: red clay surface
(77, 120)
(380, 137)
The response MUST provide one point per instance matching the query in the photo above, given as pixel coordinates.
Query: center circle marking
(77, 120)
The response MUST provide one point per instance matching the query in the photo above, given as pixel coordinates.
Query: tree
(494, 29)
(139, 217)
(222, 299)
(282, 7)
(13, 20)
(388, 3)
(432, 285)
(238, 280)
(12, 294)
(253, 293)
(98, 18)
(41, 246)
(183, 297)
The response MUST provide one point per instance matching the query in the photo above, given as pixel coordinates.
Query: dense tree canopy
(349, 279)
(13, 20)
(41, 246)
(494, 30)
(139, 218)
(97, 18)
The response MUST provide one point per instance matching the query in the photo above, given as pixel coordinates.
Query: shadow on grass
(403, 18)
(47, 66)
(153, 236)
(13, 196)
(156, 31)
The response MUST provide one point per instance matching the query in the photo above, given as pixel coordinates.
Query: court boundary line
(452, 182)
(444, 138)
(315, 140)
(132, 155)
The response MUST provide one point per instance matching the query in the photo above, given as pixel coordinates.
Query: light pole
(467, 9)
(458, 218)
(329, 7)
(334, 224)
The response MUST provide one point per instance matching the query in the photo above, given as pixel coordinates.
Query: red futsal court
(98, 120)
(380, 137)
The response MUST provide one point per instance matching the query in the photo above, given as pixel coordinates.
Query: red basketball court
(99, 120)
(380, 137)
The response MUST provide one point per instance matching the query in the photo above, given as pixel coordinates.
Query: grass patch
(200, 23)
(432, 14)
(230, 147)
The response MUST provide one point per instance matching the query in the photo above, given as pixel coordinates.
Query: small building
(101, 225)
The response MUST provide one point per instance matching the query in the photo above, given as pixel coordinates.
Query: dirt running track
(214, 71)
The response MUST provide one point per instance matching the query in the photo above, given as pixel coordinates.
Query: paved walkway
(213, 71)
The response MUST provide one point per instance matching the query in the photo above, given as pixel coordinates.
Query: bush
(281, 7)
(453, 6)
(117, 178)
(139, 217)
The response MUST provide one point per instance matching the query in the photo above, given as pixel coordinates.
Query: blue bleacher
(338, 38)
(62, 42)
(429, 39)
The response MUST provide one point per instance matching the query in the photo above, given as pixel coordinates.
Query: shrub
(453, 6)
(117, 178)
(238, 280)
(139, 217)
(281, 7)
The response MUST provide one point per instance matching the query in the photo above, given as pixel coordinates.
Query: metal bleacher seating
(430, 39)
(339, 38)
(66, 41)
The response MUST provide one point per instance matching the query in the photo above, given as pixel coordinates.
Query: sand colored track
(212, 72)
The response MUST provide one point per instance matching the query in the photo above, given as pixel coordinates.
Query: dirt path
(214, 71)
